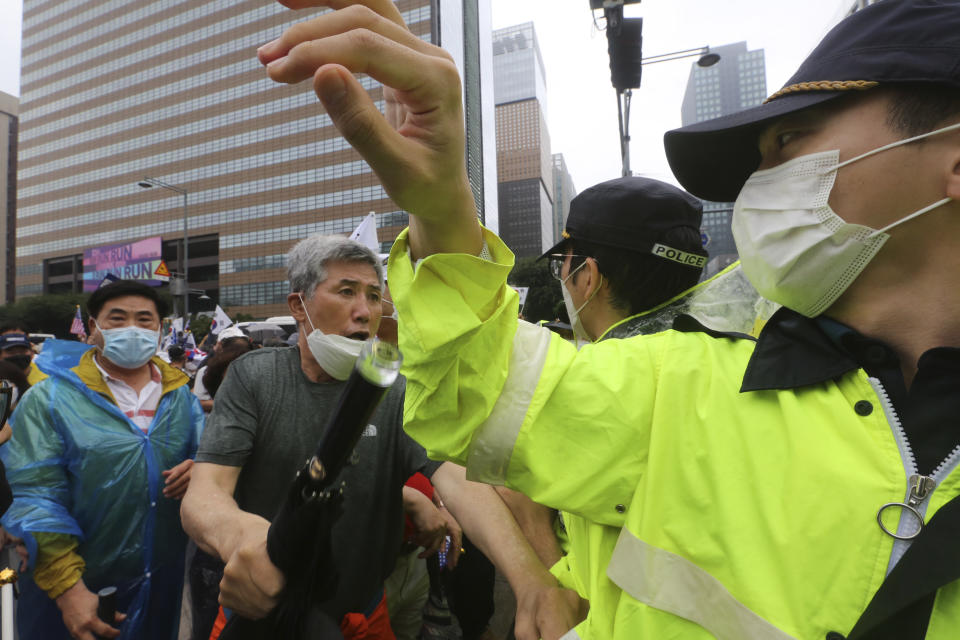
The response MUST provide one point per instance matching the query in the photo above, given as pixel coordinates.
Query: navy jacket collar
(793, 351)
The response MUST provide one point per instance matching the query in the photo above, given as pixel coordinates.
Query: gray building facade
(563, 193)
(172, 89)
(9, 123)
(738, 81)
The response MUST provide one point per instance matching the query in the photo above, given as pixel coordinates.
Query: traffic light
(624, 44)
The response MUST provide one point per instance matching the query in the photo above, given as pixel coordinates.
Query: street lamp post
(707, 59)
(624, 44)
(149, 182)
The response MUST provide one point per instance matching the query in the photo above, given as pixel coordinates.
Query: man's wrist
(246, 530)
(529, 575)
(76, 587)
(460, 233)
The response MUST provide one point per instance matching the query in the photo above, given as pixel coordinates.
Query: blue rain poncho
(79, 466)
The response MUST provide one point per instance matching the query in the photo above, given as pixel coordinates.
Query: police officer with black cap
(629, 244)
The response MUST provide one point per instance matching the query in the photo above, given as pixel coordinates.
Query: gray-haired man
(268, 417)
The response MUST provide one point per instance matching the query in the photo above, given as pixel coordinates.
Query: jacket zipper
(919, 487)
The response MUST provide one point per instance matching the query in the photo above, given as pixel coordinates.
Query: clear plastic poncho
(726, 303)
(78, 465)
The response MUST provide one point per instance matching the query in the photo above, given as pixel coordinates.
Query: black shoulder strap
(902, 606)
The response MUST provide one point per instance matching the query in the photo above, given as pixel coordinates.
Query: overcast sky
(582, 108)
(582, 113)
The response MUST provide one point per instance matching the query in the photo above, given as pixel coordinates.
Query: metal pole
(151, 182)
(6, 602)
(623, 115)
(186, 260)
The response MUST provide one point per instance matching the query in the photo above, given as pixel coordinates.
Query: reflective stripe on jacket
(737, 515)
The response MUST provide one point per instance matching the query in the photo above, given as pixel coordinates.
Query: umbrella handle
(107, 605)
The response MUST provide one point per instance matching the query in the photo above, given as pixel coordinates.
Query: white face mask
(793, 247)
(579, 333)
(336, 354)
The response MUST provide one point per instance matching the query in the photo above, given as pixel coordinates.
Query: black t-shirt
(928, 409)
(268, 418)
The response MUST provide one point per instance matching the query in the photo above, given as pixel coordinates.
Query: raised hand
(417, 149)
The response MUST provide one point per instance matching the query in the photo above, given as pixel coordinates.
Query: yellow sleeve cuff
(58, 566)
(34, 375)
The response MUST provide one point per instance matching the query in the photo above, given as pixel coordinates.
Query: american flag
(76, 327)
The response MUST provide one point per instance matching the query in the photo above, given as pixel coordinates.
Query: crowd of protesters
(103, 451)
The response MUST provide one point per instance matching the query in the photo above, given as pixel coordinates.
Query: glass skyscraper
(524, 163)
(738, 81)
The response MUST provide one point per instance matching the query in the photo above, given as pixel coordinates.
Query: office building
(738, 81)
(114, 91)
(563, 193)
(9, 107)
(524, 162)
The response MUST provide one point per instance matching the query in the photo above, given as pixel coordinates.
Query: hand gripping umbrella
(298, 541)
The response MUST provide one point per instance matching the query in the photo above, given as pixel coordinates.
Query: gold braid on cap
(824, 85)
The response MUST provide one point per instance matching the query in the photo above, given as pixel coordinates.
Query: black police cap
(629, 213)
(888, 43)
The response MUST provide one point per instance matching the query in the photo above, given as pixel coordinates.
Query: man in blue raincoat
(100, 455)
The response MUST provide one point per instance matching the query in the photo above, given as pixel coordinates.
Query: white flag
(168, 339)
(366, 233)
(220, 321)
(177, 326)
(190, 343)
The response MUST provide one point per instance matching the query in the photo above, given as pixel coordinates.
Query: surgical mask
(129, 347)
(21, 362)
(579, 333)
(393, 316)
(793, 247)
(336, 354)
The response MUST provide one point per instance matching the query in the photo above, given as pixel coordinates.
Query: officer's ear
(591, 275)
(953, 177)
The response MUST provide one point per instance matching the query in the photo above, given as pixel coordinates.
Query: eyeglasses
(557, 260)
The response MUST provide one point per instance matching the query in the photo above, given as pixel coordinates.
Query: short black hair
(122, 288)
(16, 375)
(641, 281)
(13, 325)
(916, 108)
